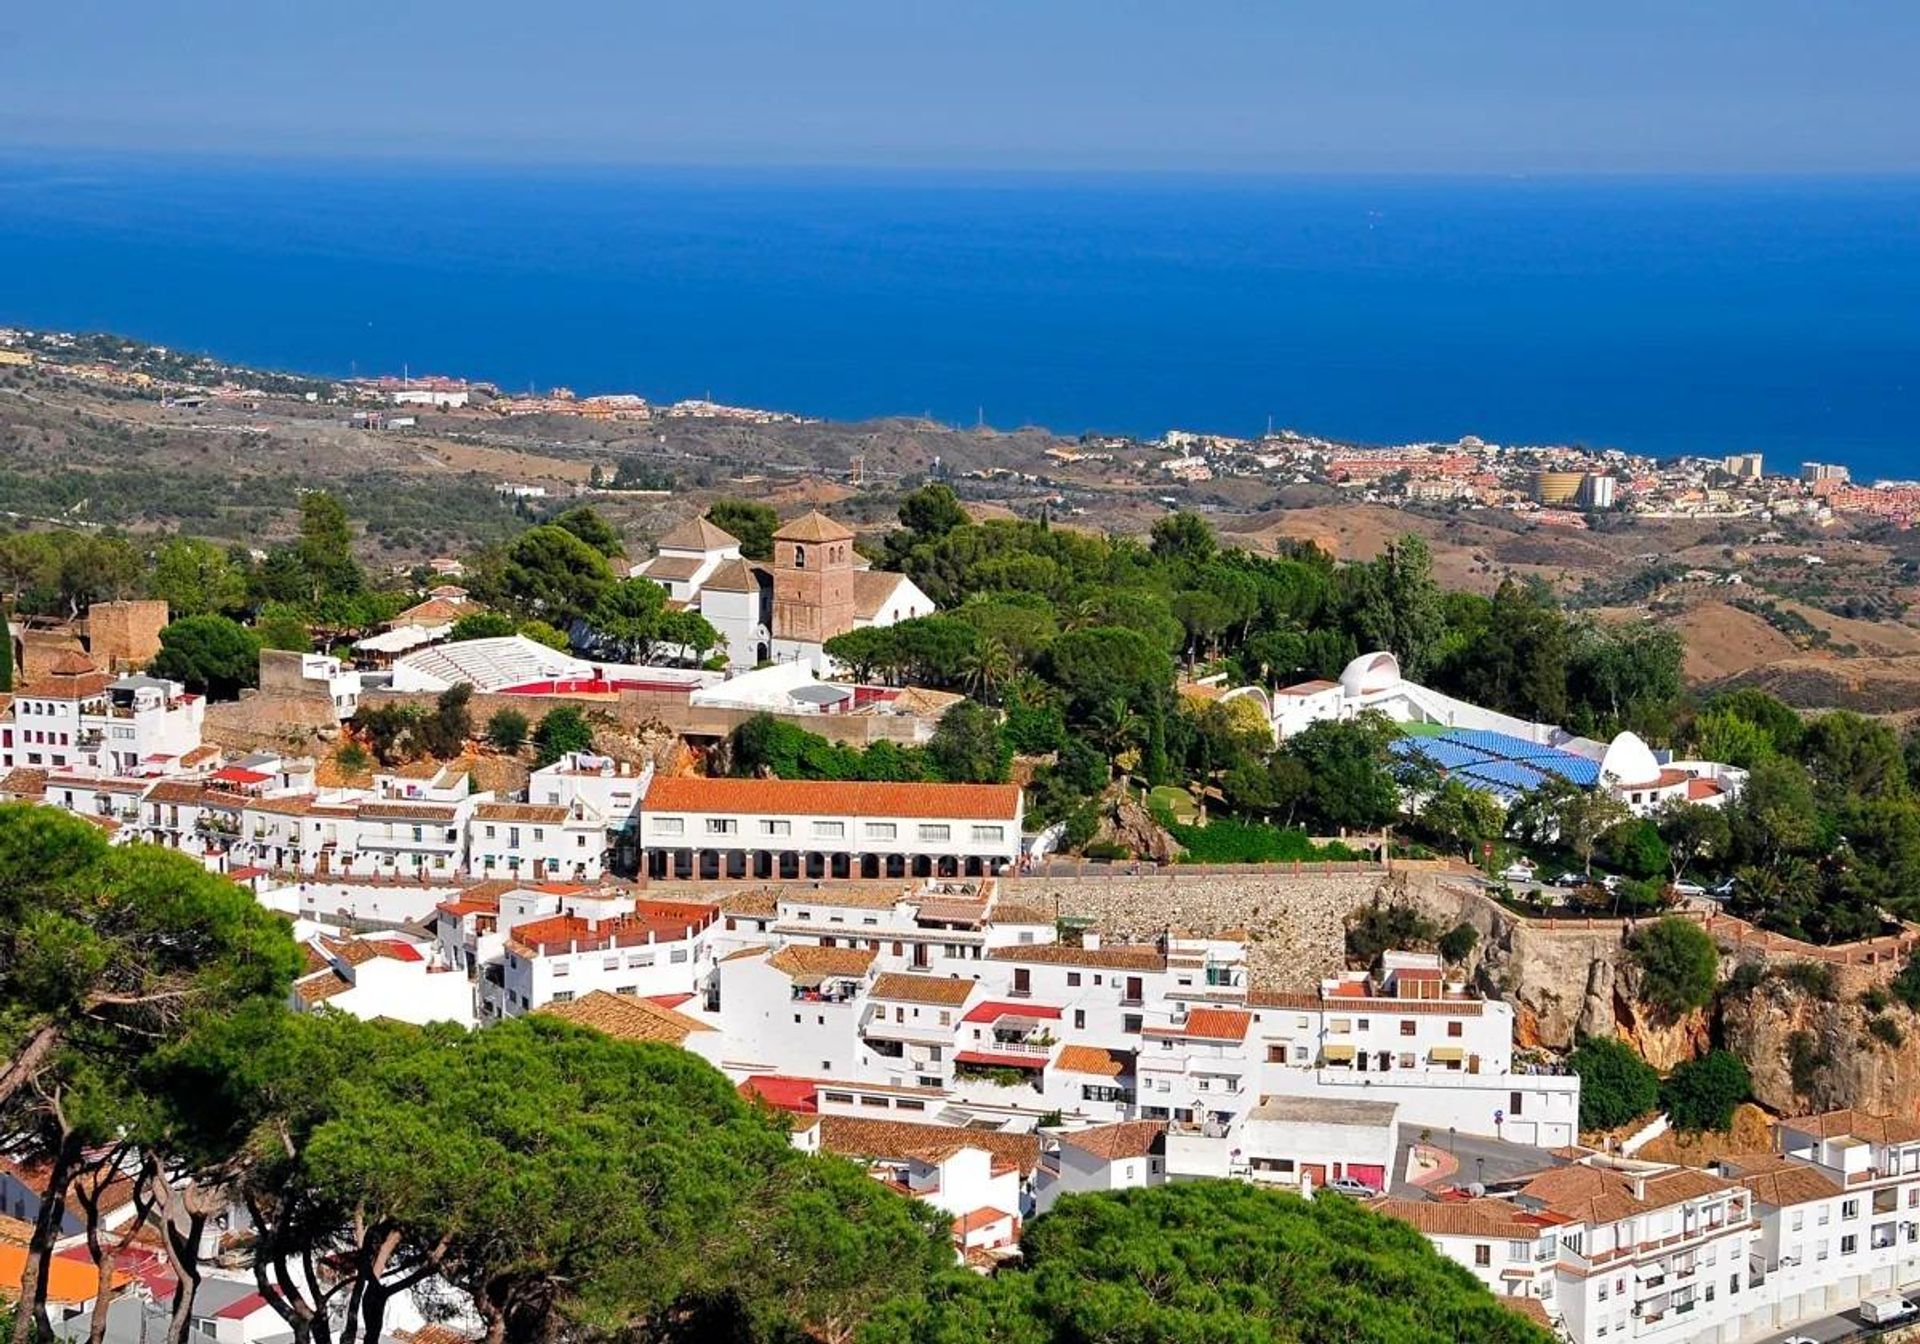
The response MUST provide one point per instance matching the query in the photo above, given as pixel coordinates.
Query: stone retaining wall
(1295, 925)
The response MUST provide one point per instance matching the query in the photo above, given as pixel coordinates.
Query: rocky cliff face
(1808, 1052)
(1808, 1043)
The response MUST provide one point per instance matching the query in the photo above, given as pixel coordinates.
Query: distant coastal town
(1568, 486)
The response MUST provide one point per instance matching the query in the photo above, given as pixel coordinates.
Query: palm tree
(987, 667)
(1117, 726)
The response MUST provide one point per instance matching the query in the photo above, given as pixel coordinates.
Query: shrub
(1616, 1085)
(1458, 942)
(1804, 1061)
(1701, 1093)
(1810, 977)
(1874, 999)
(564, 729)
(1678, 965)
(1746, 978)
(1378, 928)
(1106, 851)
(1637, 849)
(507, 729)
(352, 757)
(1227, 840)
(1887, 1031)
(1906, 985)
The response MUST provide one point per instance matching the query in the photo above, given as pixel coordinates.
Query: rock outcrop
(1810, 1052)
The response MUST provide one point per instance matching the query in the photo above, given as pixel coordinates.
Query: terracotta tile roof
(949, 911)
(672, 568)
(907, 988)
(805, 797)
(697, 534)
(1129, 1138)
(898, 1140)
(1006, 912)
(1780, 1181)
(1211, 1024)
(753, 904)
(24, 782)
(731, 576)
(1856, 1124)
(649, 922)
(291, 805)
(1090, 1059)
(435, 611)
(814, 526)
(1491, 1218)
(1131, 958)
(1530, 1307)
(627, 1018)
(530, 812)
(811, 965)
(406, 811)
(1702, 788)
(1600, 1195)
(177, 791)
(71, 676)
(969, 1223)
(320, 987)
(872, 589)
(848, 895)
(360, 951)
(757, 950)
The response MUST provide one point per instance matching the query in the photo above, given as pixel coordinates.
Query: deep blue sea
(1660, 315)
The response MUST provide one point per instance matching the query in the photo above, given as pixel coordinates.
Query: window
(881, 830)
(936, 831)
(1454, 1029)
(1079, 1019)
(829, 830)
(1850, 1208)
(1131, 1024)
(1483, 1255)
(1276, 1054)
(988, 835)
(1073, 979)
(1408, 1026)
(563, 996)
(669, 825)
(776, 828)
(1513, 1102)
(722, 826)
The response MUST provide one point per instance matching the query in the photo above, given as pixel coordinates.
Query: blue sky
(1449, 86)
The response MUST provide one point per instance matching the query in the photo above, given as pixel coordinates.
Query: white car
(1689, 889)
(1517, 872)
(1346, 1185)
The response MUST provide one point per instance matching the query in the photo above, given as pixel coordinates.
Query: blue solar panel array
(1499, 762)
(1443, 753)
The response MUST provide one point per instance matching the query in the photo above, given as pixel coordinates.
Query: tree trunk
(27, 1060)
(30, 1315)
(102, 1259)
(184, 1250)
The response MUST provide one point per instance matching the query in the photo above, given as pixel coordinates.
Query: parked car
(1571, 879)
(1517, 872)
(1721, 890)
(1346, 1185)
(1689, 889)
(1612, 881)
(1883, 1308)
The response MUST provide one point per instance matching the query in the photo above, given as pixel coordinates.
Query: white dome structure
(1628, 761)
(1370, 673)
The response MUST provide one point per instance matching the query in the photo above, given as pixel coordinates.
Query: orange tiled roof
(69, 1282)
(1780, 1181)
(627, 1018)
(1484, 1217)
(1091, 1059)
(897, 1140)
(814, 526)
(810, 965)
(946, 991)
(1129, 958)
(806, 797)
(1129, 1138)
(1856, 1124)
(552, 815)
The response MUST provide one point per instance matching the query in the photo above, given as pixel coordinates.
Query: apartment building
(690, 827)
(78, 718)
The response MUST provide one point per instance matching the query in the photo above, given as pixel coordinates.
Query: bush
(1804, 1061)
(1458, 942)
(1810, 977)
(564, 729)
(1637, 849)
(1616, 1085)
(1106, 851)
(1887, 1031)
(507, 729)
(1381, 928)
(1678, 965)
(1227, 840)
(1701, 1093)
(1746, 978)
(1874, 999)
(352, 758)
(1906, 985)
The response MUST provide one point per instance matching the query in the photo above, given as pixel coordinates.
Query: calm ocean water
(1663, 316)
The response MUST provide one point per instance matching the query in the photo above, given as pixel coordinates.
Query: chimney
(1090, 940)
